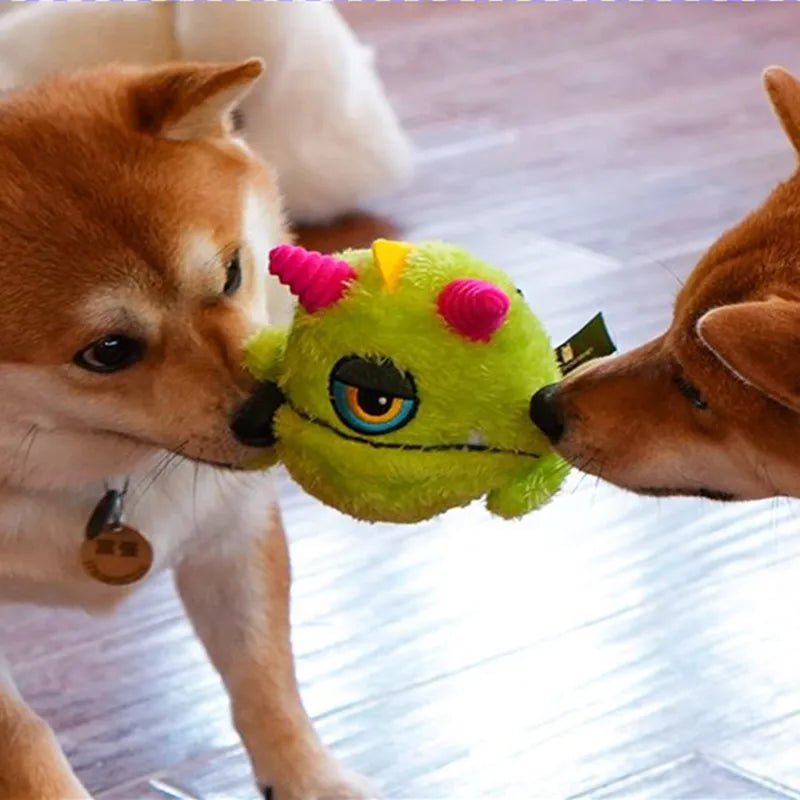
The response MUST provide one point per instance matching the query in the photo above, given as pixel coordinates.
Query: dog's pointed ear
(760, 343)
(784, 94)
(191, 101)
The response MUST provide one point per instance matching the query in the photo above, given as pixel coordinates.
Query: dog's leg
(32, 766)
(238, 600)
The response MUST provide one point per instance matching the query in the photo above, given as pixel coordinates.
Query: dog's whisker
(579, 482)
(152, 471)
(25, 444)
(172, 459)
(595, 487)
(28, 439)
(194, 493)
(170, 466)
(667, 269)
(582, 468)
(143, 487)
(598, 477)
(28, 450)
(218, 479)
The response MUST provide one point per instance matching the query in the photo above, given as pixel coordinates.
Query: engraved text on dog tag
(112, 552)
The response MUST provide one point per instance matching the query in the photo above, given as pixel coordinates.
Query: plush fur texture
(710, 407)
(125, 202)
(320, 117)
(468, 436)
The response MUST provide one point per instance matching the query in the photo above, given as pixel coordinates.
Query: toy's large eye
(372, 396)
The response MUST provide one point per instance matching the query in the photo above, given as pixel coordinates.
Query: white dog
(319, 116)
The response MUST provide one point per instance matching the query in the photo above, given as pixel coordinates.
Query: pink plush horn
(318, 281)
(476, 309)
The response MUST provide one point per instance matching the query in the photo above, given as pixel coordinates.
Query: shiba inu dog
(710, 407)
(134, 233)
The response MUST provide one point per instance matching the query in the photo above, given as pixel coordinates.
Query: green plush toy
(405, 383)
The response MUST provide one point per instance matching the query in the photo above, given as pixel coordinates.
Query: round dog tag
(117, 556)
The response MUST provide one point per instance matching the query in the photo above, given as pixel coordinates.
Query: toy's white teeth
(476, 439)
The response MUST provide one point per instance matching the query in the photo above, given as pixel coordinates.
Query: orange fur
(31, 762)
(123, 195)
(732, 345)
(254, 656)
(86, 142)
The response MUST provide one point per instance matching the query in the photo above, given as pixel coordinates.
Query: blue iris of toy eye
(372, 396)
(370, 411)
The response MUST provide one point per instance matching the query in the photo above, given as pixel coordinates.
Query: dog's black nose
(546, 412)
(252, 424)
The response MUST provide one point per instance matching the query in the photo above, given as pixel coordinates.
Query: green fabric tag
(591, 341)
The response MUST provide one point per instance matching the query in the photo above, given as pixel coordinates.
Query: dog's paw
(331, 783)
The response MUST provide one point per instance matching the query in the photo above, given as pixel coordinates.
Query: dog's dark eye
(691, 393)
(110, 354)
(233, 275)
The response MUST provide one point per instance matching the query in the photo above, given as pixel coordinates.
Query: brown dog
(710, 407)
(134, 232)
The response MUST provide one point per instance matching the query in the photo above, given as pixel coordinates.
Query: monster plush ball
(402, 388)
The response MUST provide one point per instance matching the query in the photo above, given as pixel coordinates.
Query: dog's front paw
(330, 783)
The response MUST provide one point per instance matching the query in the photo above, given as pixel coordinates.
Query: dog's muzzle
(547, 413)
(253, 422)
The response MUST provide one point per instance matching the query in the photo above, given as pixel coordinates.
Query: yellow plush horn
(391, 260)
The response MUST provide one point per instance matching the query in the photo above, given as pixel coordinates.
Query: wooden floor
(608, 646)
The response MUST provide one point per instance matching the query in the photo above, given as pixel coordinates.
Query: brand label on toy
(592, 341)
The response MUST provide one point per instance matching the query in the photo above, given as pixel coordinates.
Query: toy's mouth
(465, 447)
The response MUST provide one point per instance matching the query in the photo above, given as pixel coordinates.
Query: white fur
(55, 462)
(261, 235)
(319, 115)
(218, 530)
(183, 511)
(200, 258)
